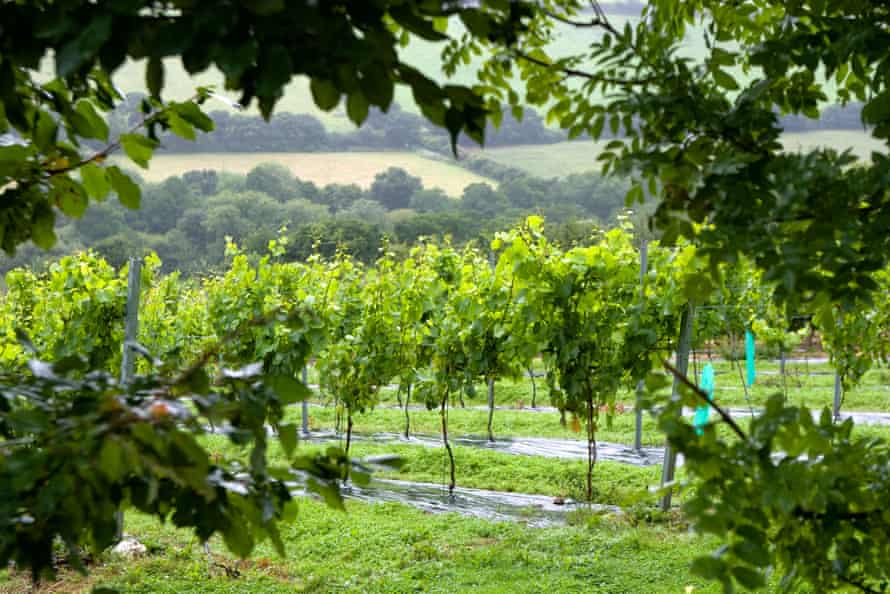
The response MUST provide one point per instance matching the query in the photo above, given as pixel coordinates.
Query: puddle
(523, 446)
(534, 510)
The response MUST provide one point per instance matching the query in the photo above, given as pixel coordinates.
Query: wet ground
(524, 446)
(533, 510)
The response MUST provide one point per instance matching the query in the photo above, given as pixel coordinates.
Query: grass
(463, 422)
(811, 385)
(394, 548)
(565, 158)
(323, 168)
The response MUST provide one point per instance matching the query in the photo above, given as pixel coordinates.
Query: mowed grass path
(565, 158)
(323, 168)
(394, 548)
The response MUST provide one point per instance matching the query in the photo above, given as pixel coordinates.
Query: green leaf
(710, 568)
(128, 193)
(265, 7)
(112, 461)
(191, 112)
(877, 109)
(378, 87)
(274, 72)
(238, 539)
(724, 79)
(324, 93)
(43, 223)
(154, 77)
(95, 181)
(287, 435)
(721, 57)
(288, 389)
(748, 578)
(45, 129)
(96, 126)
(328, 492)
(72, 55)
(357, 108)
(69, 196)
(753, 553)
(406, 16)
(180, 127)
(139, 148)
(198, 382)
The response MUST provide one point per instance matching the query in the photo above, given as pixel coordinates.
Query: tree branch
(597, 22)
(727, 418)
(627, 82)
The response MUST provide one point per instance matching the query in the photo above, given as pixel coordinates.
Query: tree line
(396, 129)
(186, 219)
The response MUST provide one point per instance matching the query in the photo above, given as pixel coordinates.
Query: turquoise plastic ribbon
(749, 357)
(707, 385)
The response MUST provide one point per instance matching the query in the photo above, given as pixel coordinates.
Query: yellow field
(549, 160)
(322, 168)
(565, 158)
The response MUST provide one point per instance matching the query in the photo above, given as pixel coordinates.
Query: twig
(701, 394)
(113, 146)
(627, 82)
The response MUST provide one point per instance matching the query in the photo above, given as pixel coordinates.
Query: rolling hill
(323, 168)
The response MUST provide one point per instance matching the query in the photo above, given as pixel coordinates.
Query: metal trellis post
(838, 394)
(305, 402)
(131, 327)
(638, 411)
(128, 356)
(684, 345)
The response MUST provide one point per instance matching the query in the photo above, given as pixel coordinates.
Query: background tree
(273, 179)
(432, 200)
(484, 200)
(394, 187)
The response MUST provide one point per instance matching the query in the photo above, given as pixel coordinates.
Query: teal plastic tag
(749, 357)
(707, 384)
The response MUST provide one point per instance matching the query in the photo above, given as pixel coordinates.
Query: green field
(323, 168)
(565, 158)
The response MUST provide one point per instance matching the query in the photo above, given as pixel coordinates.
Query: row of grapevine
(434, 323)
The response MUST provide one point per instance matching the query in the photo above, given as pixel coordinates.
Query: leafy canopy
(349, 50)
